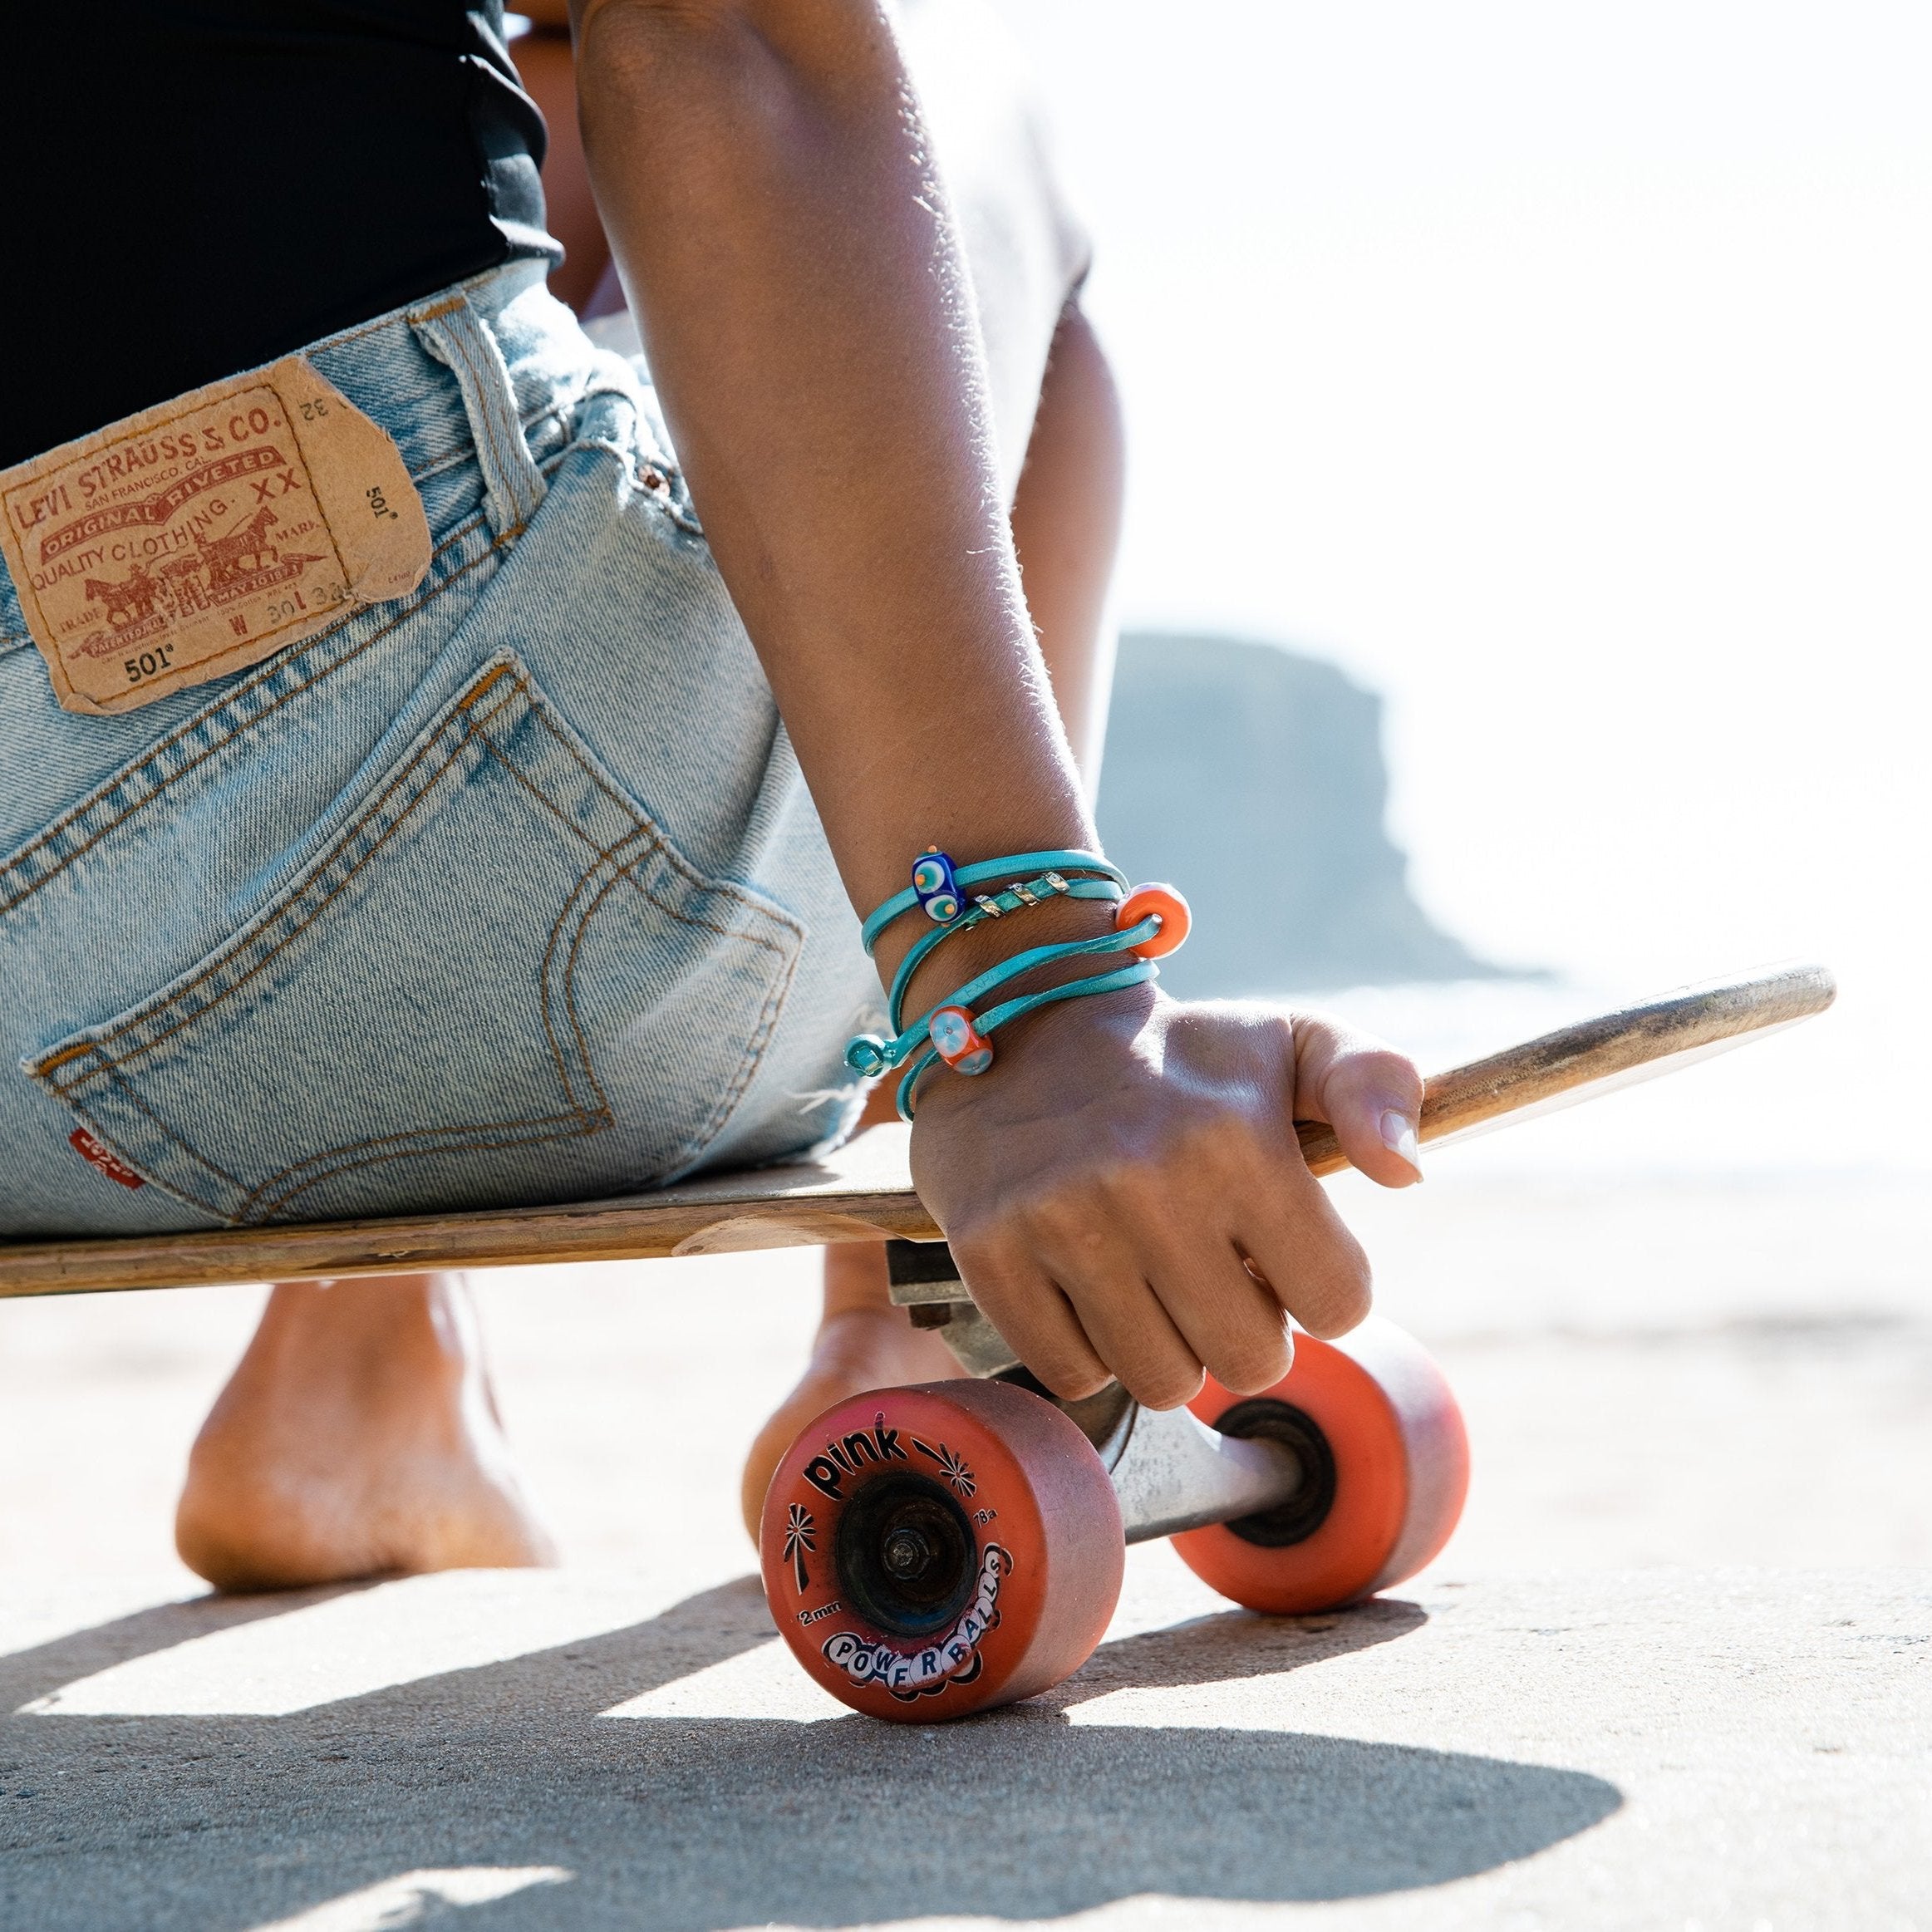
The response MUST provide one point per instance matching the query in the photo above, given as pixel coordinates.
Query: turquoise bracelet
(869, 1055)
(1138, 973)
(992, 868)
(1150, 920)
(1015, 898)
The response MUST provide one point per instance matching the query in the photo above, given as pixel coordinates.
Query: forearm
(762, 174)
(1124, 1190)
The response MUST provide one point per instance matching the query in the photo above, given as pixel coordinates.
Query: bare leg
(357, 1437)
(863, 1342)
(1066, 525)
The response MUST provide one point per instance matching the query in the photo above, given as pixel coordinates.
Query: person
(537, 882)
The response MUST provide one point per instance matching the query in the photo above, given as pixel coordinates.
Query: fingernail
(1398, 1137)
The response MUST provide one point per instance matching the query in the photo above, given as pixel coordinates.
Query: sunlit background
(1542, 391)
(1565, 375)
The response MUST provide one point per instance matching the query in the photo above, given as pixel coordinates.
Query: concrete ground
(1672, 1672)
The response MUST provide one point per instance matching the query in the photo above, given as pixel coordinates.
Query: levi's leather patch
(200, 536)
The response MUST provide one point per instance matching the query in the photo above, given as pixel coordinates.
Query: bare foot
(357, 1437)
(863, 1342)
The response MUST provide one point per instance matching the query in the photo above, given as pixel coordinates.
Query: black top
(203, 185)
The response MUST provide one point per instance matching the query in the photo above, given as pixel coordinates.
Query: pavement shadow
(1230, 1644)
(692, 1824)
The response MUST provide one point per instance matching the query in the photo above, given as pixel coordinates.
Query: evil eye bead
(959, 1043)
(936, 889)
(1174, 916)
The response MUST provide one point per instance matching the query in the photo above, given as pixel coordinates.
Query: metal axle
(1170, 1471)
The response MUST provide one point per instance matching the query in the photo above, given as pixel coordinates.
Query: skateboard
(931, 1551)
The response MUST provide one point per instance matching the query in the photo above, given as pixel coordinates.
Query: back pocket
(498, 983)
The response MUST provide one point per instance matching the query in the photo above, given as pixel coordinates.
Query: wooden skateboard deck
(864, 1191)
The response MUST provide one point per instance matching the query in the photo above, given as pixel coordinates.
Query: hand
(1125, 1196)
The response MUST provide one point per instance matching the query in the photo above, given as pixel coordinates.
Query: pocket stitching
(748, 1061)
(661, 847)
(748, 1066)
(570, 961)
(691, 1145)
(475, 731)
(726, 889)
(281, 1201)
(347, 837)
(436, 1140)
(161, 1127)
(588, 1122)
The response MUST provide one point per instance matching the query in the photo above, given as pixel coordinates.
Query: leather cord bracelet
(1149, 921)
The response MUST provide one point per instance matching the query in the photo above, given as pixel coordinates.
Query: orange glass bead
(1174, 916)
(959, 1043)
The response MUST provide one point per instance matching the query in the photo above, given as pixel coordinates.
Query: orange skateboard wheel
(1175, 919)
(1386, 1466)
(936, 1551)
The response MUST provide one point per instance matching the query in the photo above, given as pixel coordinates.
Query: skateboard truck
(1170, 1471)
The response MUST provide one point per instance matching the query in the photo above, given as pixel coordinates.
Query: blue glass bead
(936, 889)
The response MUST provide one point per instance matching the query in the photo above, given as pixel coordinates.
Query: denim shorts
(510, 891)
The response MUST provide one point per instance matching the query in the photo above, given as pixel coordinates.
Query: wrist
(966, 955)
(1075, 1047)
(1085, 937)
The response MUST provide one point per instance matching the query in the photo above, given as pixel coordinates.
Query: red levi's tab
(97, 1156)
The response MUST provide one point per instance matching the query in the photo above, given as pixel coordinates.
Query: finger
(1100, 1271)
(1023, 1303)
(1305, 1252)
(1137, 1339)
(1368, 1093)
(1230, 1319)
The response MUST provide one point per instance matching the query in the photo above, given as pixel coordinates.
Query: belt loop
(454, 333)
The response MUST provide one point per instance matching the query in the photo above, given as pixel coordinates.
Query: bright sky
(1564, 372)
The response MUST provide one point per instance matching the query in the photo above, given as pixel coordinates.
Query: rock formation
(1252, 778)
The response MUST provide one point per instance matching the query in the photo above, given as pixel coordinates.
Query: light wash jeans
(510, 891)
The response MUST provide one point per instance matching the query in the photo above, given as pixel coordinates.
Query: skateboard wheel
(1386, 1466)
(1175, 919)
(936, 1551)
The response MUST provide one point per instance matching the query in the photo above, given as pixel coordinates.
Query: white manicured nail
(1398, 1137)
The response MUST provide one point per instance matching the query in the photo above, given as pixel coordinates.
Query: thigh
(1025, 249)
